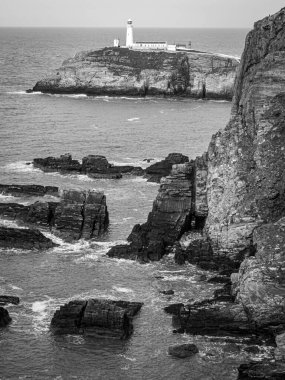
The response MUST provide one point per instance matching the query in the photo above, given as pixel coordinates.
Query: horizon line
(123, 27)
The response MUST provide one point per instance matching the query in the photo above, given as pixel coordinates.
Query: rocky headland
(225, 210)
(125, 72)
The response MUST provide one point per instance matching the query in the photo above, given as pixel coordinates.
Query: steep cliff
(121, 71)
(238, 188)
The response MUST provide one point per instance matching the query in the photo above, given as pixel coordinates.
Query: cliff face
(246, 160)
(120, 71)
(238, 188)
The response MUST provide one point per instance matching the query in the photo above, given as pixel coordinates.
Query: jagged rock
(95, 166)
(166, 222)
(96, 317)
(269, 370)
(160, 169)
(9, 299)
(81, 215)
(76, 215)
(183, 350)
(63, 164)
(28, 190)
(121, 71)
(24, 239)
(4, 317)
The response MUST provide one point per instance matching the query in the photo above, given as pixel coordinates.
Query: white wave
(11, 224)
(133, 119)
(128, 358)
(76, 96)
(39, 306)
(22, 92)
(6, 198)
(121, 289)
(14, 287)
(171, 271)
(219, 101)
(21, 166)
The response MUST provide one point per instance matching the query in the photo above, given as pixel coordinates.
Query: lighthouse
(130, 34)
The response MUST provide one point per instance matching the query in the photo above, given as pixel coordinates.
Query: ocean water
(125, 130)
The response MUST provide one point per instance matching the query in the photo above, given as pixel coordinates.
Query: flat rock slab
(183, 350)
(98, 318)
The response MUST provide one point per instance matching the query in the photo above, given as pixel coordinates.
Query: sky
(144, 13)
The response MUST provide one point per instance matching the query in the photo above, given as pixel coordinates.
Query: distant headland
(144, 69)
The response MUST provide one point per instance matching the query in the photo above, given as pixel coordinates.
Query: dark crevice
(78, 321)
(83, 218)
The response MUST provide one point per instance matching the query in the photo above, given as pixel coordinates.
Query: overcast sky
(145, 13)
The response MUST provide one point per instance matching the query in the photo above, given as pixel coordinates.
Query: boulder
(183, 350)
(24, 239)
(98, 318)
(4, 317)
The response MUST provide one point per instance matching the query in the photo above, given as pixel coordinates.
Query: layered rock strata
(76, 215)
(98, 318)
(179, 207)
(122, 71)
(95, 166)
(28, 190)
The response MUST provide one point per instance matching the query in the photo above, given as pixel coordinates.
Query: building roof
(149, 42)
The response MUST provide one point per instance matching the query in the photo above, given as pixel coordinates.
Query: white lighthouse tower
(130, 34)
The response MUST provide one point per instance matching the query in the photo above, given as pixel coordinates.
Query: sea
(126, 131)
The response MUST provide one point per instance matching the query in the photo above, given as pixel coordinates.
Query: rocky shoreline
(223, 211)
(125, 72)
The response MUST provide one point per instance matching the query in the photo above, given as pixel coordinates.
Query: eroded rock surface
(122, 71)
(23, 238)
(96, 317)
(95, 166)
(75, 215)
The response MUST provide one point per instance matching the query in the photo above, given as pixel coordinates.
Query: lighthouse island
(144, 68)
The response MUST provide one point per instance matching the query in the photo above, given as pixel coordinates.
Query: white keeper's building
(145, 45)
